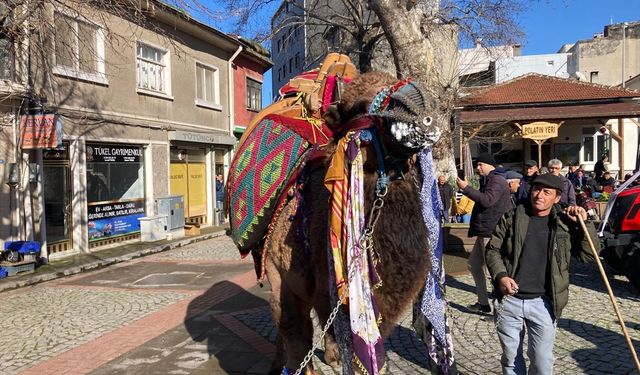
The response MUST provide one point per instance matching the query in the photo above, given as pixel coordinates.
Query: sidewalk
(101, 258)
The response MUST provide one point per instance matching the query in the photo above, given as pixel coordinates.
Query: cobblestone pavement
(224, 323)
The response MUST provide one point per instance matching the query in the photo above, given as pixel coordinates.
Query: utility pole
(624, 37)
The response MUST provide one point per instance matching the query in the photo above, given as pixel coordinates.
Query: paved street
(197, 309)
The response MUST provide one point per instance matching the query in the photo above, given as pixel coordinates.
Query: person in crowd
(592, 186)
(530, 172)
(491, 202)
(568, 193)
(601, 166)
(462, 207)
(528, 259)
(220, 197)
(572, 172)
(446, 194)
(544, 170)
(608, 183)
(514, 179)
(579, 180)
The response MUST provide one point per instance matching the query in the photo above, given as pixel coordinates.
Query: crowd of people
(578, 186)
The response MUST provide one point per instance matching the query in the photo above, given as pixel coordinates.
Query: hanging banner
(540, 130)
(41, 131)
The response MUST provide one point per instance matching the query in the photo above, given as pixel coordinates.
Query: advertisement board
(41, 131)
(110, 219)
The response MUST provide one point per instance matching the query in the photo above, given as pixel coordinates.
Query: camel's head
(410, 121)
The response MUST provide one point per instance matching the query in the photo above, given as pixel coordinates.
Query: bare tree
(419, 37)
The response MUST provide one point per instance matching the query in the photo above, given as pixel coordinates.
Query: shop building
(91, 138)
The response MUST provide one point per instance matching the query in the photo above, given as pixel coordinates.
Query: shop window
(152, 69)
(254, 95)
(79, 48)
(188, 178)
(115, 190)
(207, 88)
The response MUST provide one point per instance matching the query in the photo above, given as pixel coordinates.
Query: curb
(35, 279)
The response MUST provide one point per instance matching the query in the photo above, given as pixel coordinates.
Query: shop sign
(41, 131)
(220, 139)
(540, 130)
(98, 153)
(110, 219)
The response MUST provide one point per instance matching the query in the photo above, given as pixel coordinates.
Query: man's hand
(573, 212)
(461, 183)
(508, 286)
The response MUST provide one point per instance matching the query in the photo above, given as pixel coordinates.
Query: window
(79, 49)
(6, 60)
(594, 144)
(291, 65)
(152, 69)
(254, 95)
(207, 91)
(297, 59)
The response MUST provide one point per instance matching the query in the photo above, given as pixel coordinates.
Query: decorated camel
(339, 218)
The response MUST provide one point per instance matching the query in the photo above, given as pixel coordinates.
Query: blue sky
(548, 25)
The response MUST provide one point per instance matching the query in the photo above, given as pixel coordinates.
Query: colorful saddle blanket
(262, 169)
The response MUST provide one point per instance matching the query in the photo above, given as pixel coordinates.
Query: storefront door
(57, 200)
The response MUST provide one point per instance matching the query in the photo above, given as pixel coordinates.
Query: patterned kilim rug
(261, 171)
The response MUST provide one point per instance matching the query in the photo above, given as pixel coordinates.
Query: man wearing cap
(491, 202)
(568, 191)
(514, 179)
(528, 259)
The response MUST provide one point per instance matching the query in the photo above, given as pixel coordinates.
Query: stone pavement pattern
(196, 310)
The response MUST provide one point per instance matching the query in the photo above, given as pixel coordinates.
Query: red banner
(41, 131)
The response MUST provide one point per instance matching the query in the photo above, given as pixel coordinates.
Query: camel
(298, 266)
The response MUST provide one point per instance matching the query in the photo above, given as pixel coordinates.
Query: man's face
(530, 171)
(607, 176)
(543, 198)
(484, 169)
(441, 180)
(514, 185)
(554, 170)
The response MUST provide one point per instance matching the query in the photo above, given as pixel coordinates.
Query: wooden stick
(613, 298)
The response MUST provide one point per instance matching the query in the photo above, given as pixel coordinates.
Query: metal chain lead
(366, 242)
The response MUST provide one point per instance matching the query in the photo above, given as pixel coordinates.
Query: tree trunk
(413, 54)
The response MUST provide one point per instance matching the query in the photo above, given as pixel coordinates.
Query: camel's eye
(427, 121)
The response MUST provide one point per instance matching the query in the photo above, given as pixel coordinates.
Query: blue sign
(110, 219)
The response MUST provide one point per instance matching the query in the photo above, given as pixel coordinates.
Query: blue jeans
(512, 315)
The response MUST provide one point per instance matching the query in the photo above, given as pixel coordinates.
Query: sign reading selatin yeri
(540, 130)
(41, 131)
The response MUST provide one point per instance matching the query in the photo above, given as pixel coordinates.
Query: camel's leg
(331, 352)
(295, 328)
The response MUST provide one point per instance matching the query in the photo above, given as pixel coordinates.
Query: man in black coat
(491, 202)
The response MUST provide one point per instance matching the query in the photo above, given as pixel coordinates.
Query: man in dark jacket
(446, 195)
(491, 202)
(530, 172)
(528, 258)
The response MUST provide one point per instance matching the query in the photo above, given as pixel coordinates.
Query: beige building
(141, 109)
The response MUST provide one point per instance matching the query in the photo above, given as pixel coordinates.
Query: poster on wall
(110, 219)
(40, 131)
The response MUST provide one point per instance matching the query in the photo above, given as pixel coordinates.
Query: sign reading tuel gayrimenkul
(540, 130)
(103, 153)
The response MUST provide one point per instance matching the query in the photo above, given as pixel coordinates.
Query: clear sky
(549, 24)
